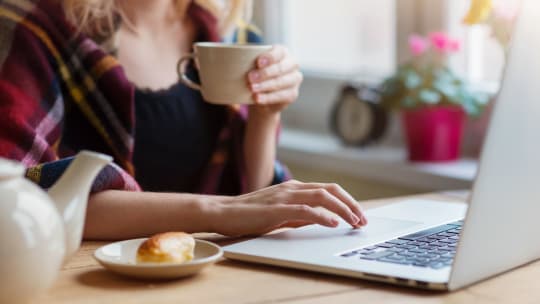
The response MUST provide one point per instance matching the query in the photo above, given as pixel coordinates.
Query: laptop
(442, 245)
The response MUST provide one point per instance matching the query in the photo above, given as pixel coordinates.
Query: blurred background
(360, 43)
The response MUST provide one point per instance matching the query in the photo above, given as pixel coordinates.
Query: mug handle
(181, 70)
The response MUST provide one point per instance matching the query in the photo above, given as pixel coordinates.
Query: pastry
(168, 247)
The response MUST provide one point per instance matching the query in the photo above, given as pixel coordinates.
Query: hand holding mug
(273, 77)
(276, 80)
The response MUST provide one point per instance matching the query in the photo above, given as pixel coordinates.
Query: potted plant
(433, 100)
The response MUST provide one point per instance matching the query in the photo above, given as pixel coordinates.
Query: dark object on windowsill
(357, 118)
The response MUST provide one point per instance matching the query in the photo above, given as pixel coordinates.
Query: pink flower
(444, 43)
(439, 40)
(417, 44)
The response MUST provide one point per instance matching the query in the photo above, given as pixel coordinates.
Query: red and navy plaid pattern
(61, 93)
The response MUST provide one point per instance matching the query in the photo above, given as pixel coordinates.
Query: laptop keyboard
(434, 248)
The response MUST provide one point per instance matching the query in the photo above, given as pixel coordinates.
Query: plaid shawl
(60, 92)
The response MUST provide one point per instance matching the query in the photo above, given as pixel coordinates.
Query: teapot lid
(10, 169)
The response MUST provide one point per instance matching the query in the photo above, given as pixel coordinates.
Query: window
(342, 36)
(342, 40)
(334, 41)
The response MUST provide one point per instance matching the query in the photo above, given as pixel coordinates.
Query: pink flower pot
(433, 134)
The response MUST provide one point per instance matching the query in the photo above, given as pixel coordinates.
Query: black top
(176, 133)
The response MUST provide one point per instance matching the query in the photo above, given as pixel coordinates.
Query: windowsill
(377, 77)
(320, 91)
(378, 163)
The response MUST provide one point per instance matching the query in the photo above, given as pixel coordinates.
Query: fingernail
(334, 222)
(354, 219)
(254, 76)
(259, 99)
(255, 87)
(263, 61)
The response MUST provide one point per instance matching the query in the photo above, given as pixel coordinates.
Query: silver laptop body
(502, 221)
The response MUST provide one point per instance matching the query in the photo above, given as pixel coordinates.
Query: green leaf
(444, 75)
(448, 89)
(412, 80)
(482, 99)
(471, 109)
(429, 96)
(425, 83)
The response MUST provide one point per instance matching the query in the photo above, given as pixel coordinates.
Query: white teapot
(40, 231)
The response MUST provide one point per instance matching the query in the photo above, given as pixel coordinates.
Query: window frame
(413, 16)
(266, 12)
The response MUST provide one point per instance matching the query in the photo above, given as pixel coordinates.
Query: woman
(100, 75)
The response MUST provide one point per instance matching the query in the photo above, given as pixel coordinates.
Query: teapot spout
(70, 194)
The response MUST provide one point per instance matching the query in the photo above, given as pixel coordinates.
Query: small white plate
(120, 257)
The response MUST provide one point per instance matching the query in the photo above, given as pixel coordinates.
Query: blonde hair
(97, 17)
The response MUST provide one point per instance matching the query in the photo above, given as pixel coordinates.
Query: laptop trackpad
(378, 226)
(324, 242)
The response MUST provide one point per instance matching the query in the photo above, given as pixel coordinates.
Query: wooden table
(83, 281)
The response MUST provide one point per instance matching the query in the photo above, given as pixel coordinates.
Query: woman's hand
(275, 82)
(291, 204)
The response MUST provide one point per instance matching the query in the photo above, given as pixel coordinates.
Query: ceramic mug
(223, 70)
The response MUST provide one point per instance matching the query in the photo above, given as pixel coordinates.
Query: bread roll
(168, 247)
